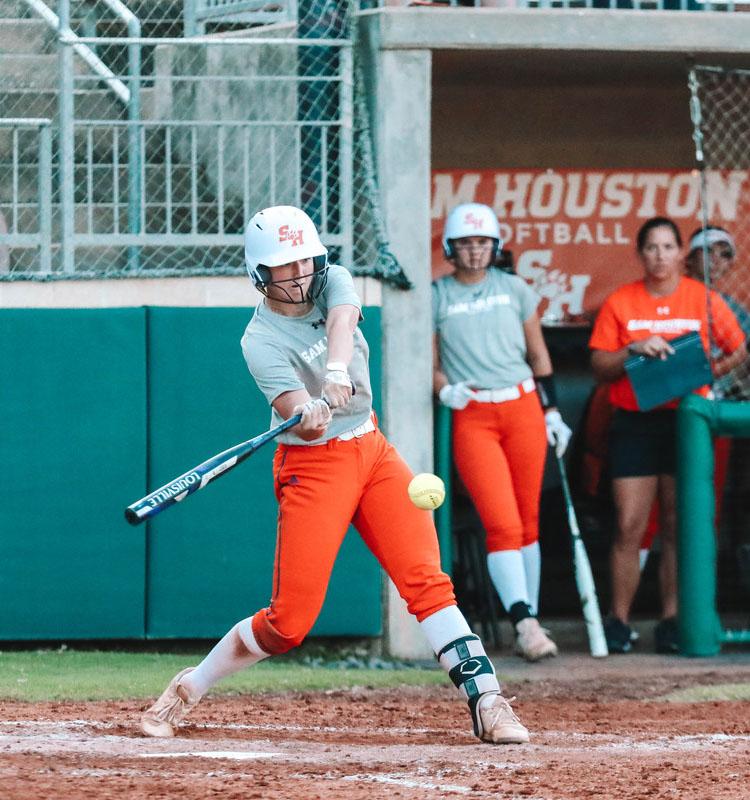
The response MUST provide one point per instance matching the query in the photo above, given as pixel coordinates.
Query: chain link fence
(720, 110)
(164, 146)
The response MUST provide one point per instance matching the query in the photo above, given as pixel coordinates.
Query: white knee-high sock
(532, 564)
(508, 576)
(445, 626)
(237, 650)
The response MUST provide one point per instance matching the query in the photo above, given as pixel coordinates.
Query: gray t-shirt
(284, 354)
(480, 328)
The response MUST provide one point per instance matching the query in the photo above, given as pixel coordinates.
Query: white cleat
(532, 641)
(496, 721)
(166, 714)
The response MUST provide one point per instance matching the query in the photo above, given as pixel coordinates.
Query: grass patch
(101, 675)
(705, 694)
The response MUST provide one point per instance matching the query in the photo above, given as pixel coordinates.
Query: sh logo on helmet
(295, 237)
(475, 222)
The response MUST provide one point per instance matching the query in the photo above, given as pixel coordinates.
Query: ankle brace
(471, 671)
(468, 667)
(519, 611)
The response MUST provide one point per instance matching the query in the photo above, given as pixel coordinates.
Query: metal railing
(228, 125)
(68, 43)
(619, 5)
(200, 13)
(176, 209)
(23, 233)
(42, 10)
(257, 12)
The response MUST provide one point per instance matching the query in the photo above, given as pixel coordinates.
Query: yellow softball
(426, 491)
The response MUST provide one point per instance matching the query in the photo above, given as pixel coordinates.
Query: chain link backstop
(164, 146)
(720, 111)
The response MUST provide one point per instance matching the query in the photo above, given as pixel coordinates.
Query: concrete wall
(556, 87)
(181, 292)
(232, 90)
(559, 110)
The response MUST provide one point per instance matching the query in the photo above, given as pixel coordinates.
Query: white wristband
(336, 366)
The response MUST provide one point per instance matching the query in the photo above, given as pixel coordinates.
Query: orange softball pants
(499, 450)
(321, 490)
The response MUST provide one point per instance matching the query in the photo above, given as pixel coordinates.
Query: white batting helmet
(470, 219)
(279, 235)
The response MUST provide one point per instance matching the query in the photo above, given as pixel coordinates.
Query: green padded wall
(101, 406)
(73, 442)
(210, 558)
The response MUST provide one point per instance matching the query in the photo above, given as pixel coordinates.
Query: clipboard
(656, 382)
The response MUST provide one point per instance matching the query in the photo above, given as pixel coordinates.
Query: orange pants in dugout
(321, 489)
(499, 450)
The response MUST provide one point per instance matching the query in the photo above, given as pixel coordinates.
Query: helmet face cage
(263, 278)
(471, 219)
(450, 250)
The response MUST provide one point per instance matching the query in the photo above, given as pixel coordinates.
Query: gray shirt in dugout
(285, 354)
(480, 328)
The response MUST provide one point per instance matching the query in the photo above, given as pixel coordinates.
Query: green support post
(443, 463)
(699, 625)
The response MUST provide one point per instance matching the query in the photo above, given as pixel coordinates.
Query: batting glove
(456, 395)
(337, 388)
(316, 415)
(558, 433)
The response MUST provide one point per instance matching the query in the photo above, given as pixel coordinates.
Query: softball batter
(491, 366)
(307, 354)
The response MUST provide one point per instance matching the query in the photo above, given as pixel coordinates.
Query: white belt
(360, 430)
(502, 395)
(354, 433)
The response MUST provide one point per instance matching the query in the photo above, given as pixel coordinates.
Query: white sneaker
(166, 714)
(532, 641)
(497, 723)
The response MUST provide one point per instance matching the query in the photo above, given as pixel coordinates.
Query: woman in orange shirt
(641, 318)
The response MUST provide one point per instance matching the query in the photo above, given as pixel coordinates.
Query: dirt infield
(597, 731)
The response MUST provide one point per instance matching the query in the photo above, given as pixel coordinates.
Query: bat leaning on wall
(584, 576)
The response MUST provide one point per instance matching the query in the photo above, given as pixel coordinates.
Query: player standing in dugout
(307, 355)
(492, 367)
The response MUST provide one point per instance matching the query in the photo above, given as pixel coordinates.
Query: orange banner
(572, 233)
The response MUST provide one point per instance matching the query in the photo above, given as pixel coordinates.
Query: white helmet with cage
(471, 219)
(280, 235)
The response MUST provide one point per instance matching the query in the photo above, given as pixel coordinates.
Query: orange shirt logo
(292, 236)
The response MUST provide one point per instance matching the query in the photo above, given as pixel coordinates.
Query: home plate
(228, 754)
